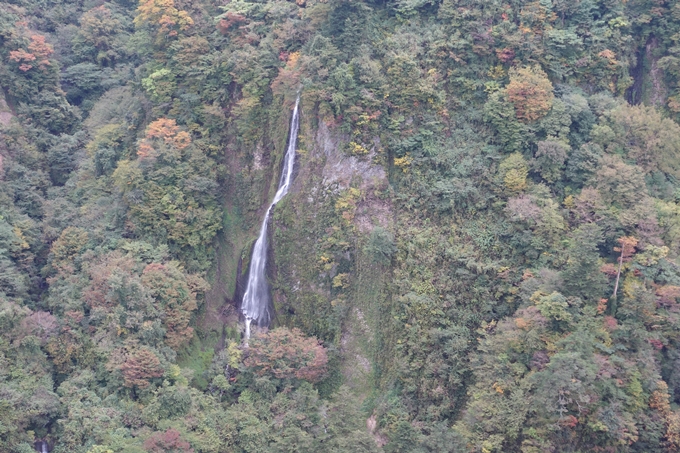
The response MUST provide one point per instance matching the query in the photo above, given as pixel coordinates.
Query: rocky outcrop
(5, 112)
(308, 279)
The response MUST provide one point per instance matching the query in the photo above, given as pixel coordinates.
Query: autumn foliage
(167, 442)
(38, 51)
(164, 130)
(667, 295)
(41, 324)
(289, 76)
(163, 14)
(172, 292)
(99, 27)
(97, 293)
(287, 354)
(97, 24)
(139, 367)
(506, 55)
(627, 249)
(229, 20)
(65, 249)
(531, 93)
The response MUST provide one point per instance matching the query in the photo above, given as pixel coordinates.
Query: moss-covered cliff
(478, 253)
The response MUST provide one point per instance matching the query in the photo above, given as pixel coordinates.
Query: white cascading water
(255, 305)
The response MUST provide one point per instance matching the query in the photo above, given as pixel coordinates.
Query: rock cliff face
(5, 111)
(316, 262)
(5, 118)
(342, 169)
(649, 86)
(320, 269)
(250, 181)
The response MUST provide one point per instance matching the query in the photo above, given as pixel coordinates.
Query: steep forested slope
(478, 254)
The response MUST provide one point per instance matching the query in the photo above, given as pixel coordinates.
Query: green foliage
(648, 139)
(501, 114)
(466, 171)
(160, 85)
(513, 172)
(550, 158)
(170, 190)
(380, 246)
(581, 274)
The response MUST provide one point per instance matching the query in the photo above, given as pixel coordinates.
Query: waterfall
(255, 305)
(44, 447)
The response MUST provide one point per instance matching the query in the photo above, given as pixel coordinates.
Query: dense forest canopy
(479, 252)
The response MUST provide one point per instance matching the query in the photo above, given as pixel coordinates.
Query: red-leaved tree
(139, 367)
(287, 354)
(167, 442)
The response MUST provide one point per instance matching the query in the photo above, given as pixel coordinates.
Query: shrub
(380, 246)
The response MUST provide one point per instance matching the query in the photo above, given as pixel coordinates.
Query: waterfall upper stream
(255, 305)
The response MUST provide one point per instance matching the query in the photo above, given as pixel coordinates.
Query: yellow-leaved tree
(164, 17)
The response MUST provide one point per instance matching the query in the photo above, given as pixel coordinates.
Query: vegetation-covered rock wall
(478, 254)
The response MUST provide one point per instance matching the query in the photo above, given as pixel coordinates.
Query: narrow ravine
(255, 305)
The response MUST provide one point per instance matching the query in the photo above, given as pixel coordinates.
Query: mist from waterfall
(255, 305)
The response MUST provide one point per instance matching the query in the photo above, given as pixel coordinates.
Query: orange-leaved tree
(286, 354)
(228, 20)
(531, 93)
(163, 16)
(139, 367)
(38, 51)
(288, 80)
(163, 130)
